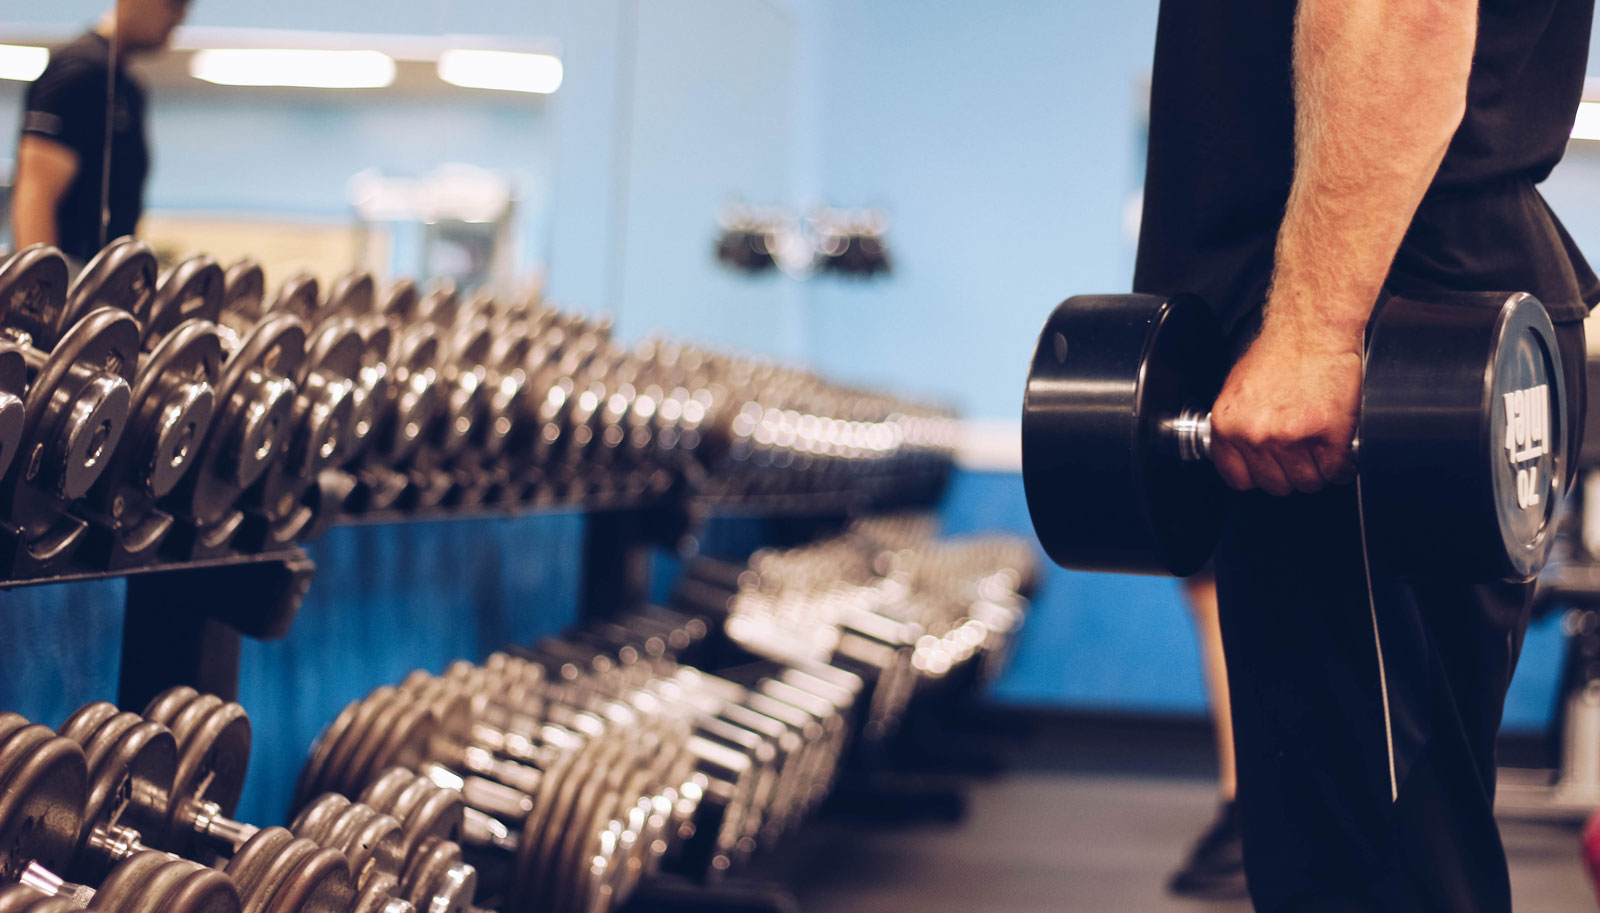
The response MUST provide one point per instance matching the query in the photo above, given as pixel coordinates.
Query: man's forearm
(45, 170)
(1380, 88)
(33, 220)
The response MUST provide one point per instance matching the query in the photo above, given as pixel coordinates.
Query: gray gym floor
(1065, 842)
(1088, 814)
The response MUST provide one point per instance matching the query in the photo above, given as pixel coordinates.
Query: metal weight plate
(440, 304)
(437, 880)
(379, 896)
(371, 841)
(565, 871)
(539, 881)
(33, 292)
(536, 828)
(213, 738)
(174, 399)
(128, 882)
(80, 726)
(318, 434)
(122, 275)
(273, 871)
(327, 379)
(320, 884)
(300, 296)
(303, 878)
(1103, 492)
(171, 406)
(70, 441)
(153, 893)
(317, 775)
(13, 390)
(354, 294)
(373, 383)
(312, 821)
(43, 786)
(131, 763)
(398, 736)
(404, 796)
(193, 288)
(254, 397)
(616, 844)
(19, 898)
(201, 890)
(250, 863)
(644, 827)
(399, 302)
(245, 290)
(342, 775)
(418, 397)
(1463, 437)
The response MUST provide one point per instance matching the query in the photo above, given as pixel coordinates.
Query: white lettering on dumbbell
(1527, 423)
(1527, 487)
(1527, 437)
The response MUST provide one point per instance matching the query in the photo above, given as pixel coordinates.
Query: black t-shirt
(1221, 158)
(67, 103)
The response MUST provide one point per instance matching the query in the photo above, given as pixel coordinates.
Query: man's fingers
(1230, 465)
(1335, 462)
(1300, 467)
(1245, 465)
(1260, 469)
(1267, 474)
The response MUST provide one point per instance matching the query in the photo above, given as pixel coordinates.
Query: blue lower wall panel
(1102, 641)
(60, 647)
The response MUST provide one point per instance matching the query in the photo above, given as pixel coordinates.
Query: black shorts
(1365, 724)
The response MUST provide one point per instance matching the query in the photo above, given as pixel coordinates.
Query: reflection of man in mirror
(76, 186)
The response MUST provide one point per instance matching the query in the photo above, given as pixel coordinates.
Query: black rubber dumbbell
(253, 423)
(173, 397)
(78, 360)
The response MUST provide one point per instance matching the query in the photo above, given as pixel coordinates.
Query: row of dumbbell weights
(601, 758)
(251, 415)
(127, 812)
(901, 618)
(544, 405)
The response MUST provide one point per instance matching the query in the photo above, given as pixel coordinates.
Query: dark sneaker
(1215, 867)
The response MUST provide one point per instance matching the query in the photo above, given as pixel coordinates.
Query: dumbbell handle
(50, 884)
(222, 831)
(1191, 431)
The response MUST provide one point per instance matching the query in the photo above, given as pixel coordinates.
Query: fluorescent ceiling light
(20, 62)
(311, 69)
(510, 71)
(1587, 126)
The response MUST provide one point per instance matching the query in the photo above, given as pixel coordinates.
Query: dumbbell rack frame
(175, 631)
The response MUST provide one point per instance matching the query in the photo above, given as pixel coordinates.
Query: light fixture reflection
(300, 68)
(509, 71)
(21, 62)
(1587, 126)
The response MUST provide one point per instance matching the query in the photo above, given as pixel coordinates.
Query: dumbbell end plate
(1463, 437)
(1105, 487)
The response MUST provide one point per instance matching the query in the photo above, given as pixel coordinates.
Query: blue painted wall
(1001, 140)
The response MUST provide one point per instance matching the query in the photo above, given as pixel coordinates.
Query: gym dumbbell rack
(177, 633)
(232, 535)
